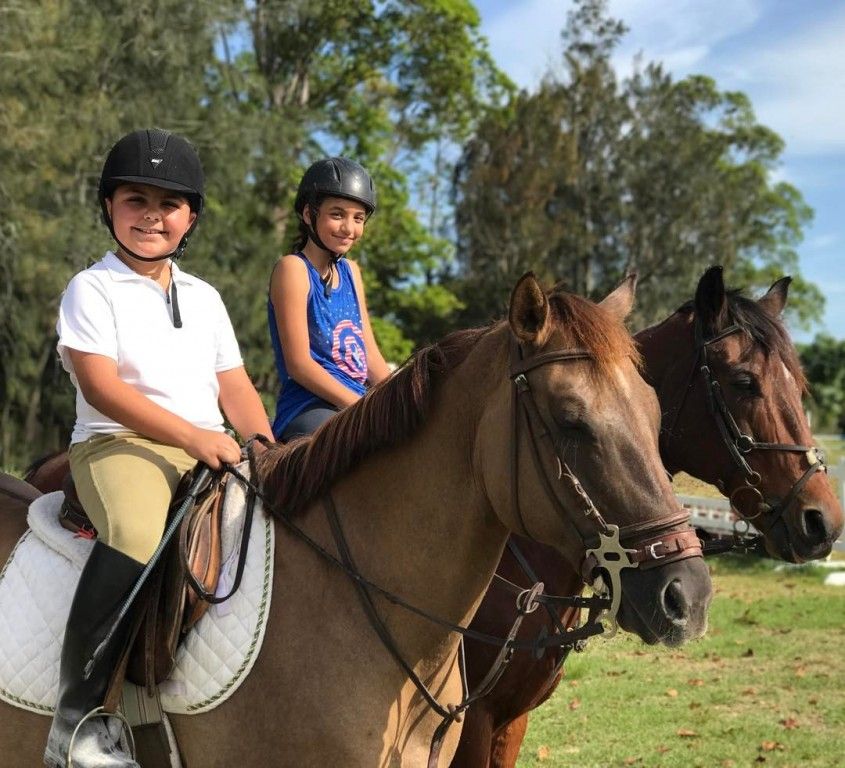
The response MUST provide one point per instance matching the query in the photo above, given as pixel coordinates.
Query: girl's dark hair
(301, 238)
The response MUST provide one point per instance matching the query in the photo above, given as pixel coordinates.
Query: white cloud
(797, 85)
(681, 33)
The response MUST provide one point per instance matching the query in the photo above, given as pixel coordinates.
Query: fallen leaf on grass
(543, 752)
(663, 749)
(575, 703)
(695, 681)
(800, 671)
(771, 746)
(631, 760)
(672, 693)
(686, 733)
(790, 723)
(727, 763)
(749, 692)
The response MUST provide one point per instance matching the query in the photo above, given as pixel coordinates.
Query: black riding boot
(104, 584)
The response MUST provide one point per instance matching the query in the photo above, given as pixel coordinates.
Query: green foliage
(262, 88)
(592, 177)
(824, 365)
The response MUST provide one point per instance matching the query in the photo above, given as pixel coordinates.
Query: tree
(262, 88)
(592, 177)
(824, 365)
(75, 76)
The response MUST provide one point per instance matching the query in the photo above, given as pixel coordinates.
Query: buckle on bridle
(652, 552)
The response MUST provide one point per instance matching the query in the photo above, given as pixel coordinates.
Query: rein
(602, 566)
(740, 445)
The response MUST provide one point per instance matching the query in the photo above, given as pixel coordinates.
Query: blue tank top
(336, 342)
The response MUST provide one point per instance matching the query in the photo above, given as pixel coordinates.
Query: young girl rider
(323, 344)
(152, 354)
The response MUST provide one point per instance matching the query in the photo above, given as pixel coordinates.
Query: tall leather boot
(104, 584)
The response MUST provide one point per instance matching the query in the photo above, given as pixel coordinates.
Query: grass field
(764, 687)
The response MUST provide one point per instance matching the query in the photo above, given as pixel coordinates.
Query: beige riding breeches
(125, 483)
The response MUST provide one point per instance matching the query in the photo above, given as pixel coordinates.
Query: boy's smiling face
(148, 220)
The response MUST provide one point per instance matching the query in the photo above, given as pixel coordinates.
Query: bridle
(661, 544)
(602, 564)
(740, 445)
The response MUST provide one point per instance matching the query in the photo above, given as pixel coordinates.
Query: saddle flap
(172, 606)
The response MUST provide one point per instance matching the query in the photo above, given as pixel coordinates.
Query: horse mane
(303, 470)
(297, 473)
(765, 330)
(30, 471)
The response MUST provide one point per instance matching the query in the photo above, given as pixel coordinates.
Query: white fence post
(839, 473)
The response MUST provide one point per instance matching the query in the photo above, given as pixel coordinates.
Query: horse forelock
(586, 325)
(296, 474)
(765, 330)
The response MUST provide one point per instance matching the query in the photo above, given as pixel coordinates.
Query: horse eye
(747, 384)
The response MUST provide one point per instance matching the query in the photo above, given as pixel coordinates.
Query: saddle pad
(38, 582)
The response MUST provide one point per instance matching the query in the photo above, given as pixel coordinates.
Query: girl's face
(148, 220)
(340, 222)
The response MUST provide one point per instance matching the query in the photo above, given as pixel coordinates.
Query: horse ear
(529, 313)
(775, 299)
(621, 301)
(711, 303)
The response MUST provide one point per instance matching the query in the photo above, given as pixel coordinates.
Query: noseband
(657, 545)
(740, 445)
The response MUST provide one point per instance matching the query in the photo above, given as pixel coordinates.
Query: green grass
(765, 686)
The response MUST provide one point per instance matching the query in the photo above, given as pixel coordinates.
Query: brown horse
(487, 432)
(754, 371)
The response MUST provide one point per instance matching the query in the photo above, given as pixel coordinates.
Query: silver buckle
(653, 553)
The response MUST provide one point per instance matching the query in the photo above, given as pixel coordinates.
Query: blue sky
(787, 56)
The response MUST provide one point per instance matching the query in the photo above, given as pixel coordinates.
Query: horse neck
(416, 515)
(668, 351)
(665, 346)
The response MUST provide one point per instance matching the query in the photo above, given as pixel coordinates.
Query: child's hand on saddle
(213, 448)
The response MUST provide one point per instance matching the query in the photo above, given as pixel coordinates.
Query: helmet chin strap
(172, 297)
(333, 257)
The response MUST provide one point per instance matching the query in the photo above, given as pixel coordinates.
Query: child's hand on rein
(213, 448)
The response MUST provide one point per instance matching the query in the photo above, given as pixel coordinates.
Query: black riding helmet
(336, 177)
(158, 158)
(333, 177)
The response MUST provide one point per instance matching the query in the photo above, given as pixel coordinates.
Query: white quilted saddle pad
(38, 582)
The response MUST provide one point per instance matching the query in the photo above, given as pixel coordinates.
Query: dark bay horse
(753, 371)
(540, 424)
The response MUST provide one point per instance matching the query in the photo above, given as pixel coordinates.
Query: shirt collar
(122, 272)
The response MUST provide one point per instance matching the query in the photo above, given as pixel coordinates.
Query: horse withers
(741, 415)
(539, 424)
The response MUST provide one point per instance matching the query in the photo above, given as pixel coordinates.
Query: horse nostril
(814, 527)
(674, 603)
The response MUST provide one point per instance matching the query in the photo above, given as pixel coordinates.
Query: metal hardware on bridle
(740, 445)
(607, 557)
(602, 606)
(507, 645)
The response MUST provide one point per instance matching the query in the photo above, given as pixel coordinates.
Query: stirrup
(101, 712)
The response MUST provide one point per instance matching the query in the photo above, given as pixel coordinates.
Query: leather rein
(602, 564)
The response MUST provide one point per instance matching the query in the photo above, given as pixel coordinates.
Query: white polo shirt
(110, 310)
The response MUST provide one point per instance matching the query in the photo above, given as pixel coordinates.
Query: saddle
(179, 590)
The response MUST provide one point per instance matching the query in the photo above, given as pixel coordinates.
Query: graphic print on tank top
(348, 350)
